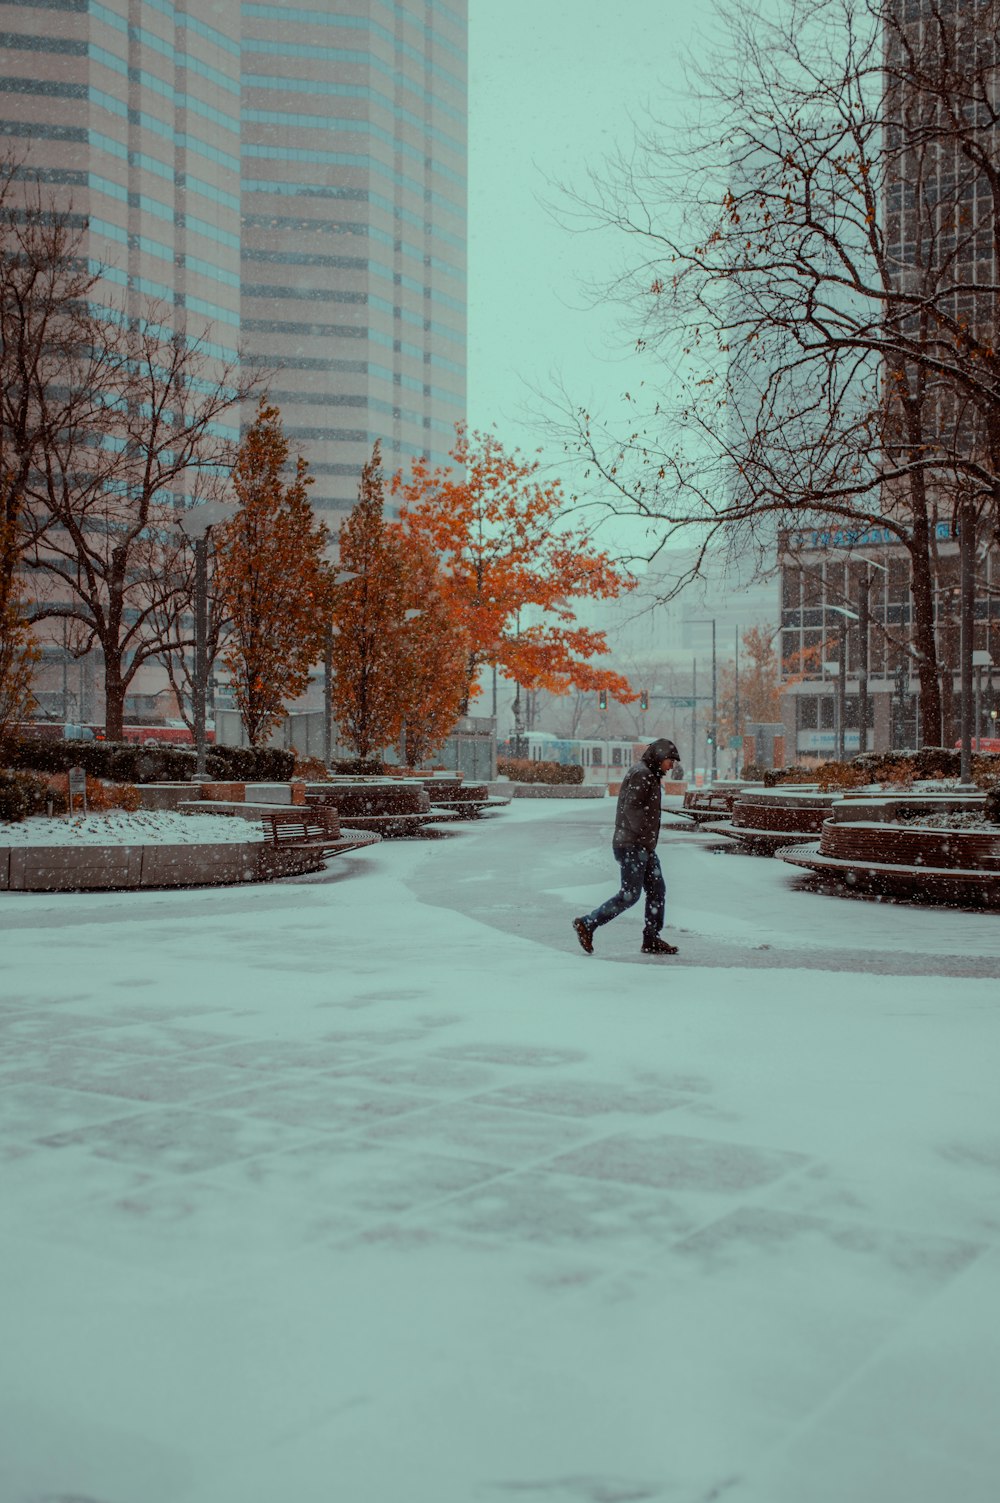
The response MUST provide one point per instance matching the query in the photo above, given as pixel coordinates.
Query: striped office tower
(354, 227)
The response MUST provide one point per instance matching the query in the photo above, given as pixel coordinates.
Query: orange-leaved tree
(369, 616)
(493, 522)
(433, 656)
(271, 577)
(763, 679)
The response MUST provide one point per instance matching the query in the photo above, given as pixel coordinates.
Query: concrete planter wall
(104, 868)
(549, 790)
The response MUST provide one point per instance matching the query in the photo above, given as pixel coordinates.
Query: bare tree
(807, 264)
(101, 500)
(45, 326)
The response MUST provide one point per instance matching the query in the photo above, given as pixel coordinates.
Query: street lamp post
(980, 660)
(710, 621)
(841, 610)
(197, 523)
(410, 615)
(340, 576)
(736, 704)
(967, 557)
(864, 612)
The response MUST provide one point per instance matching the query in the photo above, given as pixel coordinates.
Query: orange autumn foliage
(491, 520)
(271, 577)
(398, 656)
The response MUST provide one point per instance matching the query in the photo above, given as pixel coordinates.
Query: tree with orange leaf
(398, 653)
(492, 522)
(763, 679)
(271, 577)
(432, 660)
(369, 621)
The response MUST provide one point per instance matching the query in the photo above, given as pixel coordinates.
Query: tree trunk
(114, 695)
(924, 638)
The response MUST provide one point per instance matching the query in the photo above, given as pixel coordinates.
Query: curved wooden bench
(905, 860)
(382, 807)
(763, 821)
(716, 801)
(911, 845)
(292, 827)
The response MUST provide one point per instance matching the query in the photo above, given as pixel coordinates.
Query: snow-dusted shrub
(524, 770)
(21, 793)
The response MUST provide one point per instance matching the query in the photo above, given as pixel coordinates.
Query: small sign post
(77, 786)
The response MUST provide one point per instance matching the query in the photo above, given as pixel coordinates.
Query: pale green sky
(552, 85)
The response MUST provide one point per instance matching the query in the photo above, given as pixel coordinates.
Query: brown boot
(652, 944)
(584, 934)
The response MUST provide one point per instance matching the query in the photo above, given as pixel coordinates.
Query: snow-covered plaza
(372, 1187)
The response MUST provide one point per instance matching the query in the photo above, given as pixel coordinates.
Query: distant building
(287, 181)
(833, 578)
(354, 192)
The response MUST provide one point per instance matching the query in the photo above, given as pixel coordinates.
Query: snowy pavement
(372, 1187)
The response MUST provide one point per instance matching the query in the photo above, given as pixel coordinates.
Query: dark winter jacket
(637, 819)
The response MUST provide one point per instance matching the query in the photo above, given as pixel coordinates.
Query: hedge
(129, 762)
(21, 793)
(524, 770)
(928, 764)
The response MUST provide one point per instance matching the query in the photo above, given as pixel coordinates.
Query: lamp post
(841, 610)
(710, 621)
(197, 524)
(967, 557)
(864, 606)
(737, 733)
(980, 660)
(340, 576)
(410, 615)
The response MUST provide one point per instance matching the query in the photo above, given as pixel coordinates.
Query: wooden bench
(297, 827)
(954, 866)
(292, 827)
(382, 805)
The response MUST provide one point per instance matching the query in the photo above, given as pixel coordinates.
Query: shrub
(524, 770)
(992, 809)
(247, 764)
(309, 769)
(129, 762)
(358, 767)
(21, 793)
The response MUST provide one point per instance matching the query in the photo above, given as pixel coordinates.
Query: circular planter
(123, 868)
(914, 861)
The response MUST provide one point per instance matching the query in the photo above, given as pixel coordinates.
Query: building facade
(849, 592)
(850, 644)
(284, 182)
(354, 228)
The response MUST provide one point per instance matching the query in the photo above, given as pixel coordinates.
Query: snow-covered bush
(524, 770)
(21, 793)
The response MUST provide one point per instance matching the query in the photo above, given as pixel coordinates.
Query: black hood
(656, 751)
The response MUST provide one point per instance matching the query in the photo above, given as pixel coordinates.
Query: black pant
(640, 873)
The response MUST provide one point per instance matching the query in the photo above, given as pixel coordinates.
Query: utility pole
(715, 710)
(197, 524)
(967, 554)
(842, 692)
(863, 663)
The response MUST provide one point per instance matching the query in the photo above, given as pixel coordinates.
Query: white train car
(604, 759)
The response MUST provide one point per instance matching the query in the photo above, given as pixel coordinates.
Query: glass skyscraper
(286, 180)
(354, 223)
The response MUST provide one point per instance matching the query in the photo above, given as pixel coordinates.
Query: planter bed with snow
(115, 851)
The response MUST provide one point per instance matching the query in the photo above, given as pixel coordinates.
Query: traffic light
(710, 735)
(602, 699)
(644, 700)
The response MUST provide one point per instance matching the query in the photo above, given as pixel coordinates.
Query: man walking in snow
(637, 829)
